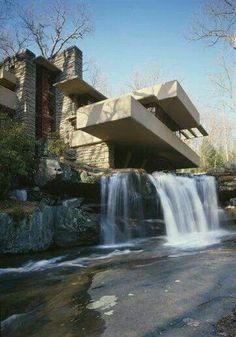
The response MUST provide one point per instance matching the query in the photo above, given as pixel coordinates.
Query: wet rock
(47, 227)
(33, 233)
(90, 177)
(74, 226)
(14, 323)
(75, 202)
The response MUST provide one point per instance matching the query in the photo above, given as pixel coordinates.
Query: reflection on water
(48, 295)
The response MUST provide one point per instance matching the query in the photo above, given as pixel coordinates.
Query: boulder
(75, 227)
(32, 233)
(52, 171)
(48, 227)
(49, 170)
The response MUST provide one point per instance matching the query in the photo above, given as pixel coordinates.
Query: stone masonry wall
(99, 155)
(25, 71)
(70, 63)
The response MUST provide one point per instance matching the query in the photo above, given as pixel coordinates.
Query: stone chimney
(70, 62)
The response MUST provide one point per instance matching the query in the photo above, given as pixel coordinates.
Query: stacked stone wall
(100, 155)
(70, 63)
(25, 70)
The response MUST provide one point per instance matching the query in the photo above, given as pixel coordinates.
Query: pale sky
(132, 35)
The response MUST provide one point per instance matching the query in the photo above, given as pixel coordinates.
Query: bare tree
(97, 78)
(47, 28)
(216, 22)
(56, 26)
(10, 41)
(224, 84)
(141, 79)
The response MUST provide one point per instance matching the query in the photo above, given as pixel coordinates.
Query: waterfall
(122, 207)
(188, 205)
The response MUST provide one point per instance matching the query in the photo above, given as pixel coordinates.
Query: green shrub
(17, 155)
(210, 156)
(56, 146)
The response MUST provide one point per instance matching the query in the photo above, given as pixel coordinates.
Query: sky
(136, 35)
(133, 35)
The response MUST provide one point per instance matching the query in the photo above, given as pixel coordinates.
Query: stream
(84, 292)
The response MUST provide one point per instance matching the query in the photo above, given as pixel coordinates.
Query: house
(146, 128)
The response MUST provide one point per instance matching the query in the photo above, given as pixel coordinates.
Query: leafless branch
(97, 78)
(215, 22)
(54, 27)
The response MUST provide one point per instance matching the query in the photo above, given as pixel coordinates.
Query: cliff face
(48, 227)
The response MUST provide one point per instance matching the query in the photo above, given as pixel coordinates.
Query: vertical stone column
(25, 71)
(70, 63)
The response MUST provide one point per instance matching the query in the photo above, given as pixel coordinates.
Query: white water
(33, 266)
(189, 205)
(121, 202)
(57, 262)
(190, 209)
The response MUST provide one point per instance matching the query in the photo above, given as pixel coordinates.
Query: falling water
(122, 207)
(189, 206)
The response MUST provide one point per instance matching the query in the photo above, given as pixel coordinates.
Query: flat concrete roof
(126, 121)
(77, 86)
(173, 100)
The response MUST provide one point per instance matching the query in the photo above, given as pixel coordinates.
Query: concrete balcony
(7, 79)
(172, 98)
(8, 98)
(126, 121)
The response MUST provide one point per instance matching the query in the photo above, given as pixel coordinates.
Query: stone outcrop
(33, 233)
(226, 179)
(51, 170)
(74, 227)
(49, 227)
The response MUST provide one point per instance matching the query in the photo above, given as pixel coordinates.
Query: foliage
(56, 146)
(210, 157)
(17, 155)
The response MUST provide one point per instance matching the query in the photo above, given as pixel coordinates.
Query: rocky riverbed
(144, 290)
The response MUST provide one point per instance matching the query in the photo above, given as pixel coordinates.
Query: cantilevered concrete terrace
(128, 120)
(156, 120)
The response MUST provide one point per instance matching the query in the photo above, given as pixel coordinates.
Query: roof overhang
(173, 100)
(77, 86)
(126, 121)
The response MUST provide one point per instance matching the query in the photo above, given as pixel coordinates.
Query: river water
(56, 293)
